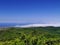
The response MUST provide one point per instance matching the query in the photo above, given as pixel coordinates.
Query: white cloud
(38, 25)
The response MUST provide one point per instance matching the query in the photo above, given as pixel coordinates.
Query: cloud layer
(38, 25)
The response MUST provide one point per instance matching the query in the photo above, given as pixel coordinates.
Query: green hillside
(30, 36)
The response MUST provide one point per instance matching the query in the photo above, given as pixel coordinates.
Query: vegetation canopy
(30, 36)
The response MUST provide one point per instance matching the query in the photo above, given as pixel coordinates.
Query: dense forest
(30, 36)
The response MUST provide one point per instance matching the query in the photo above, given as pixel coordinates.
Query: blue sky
(30, 11)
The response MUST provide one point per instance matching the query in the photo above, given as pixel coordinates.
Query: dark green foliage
(30, 36)
(34, 42)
